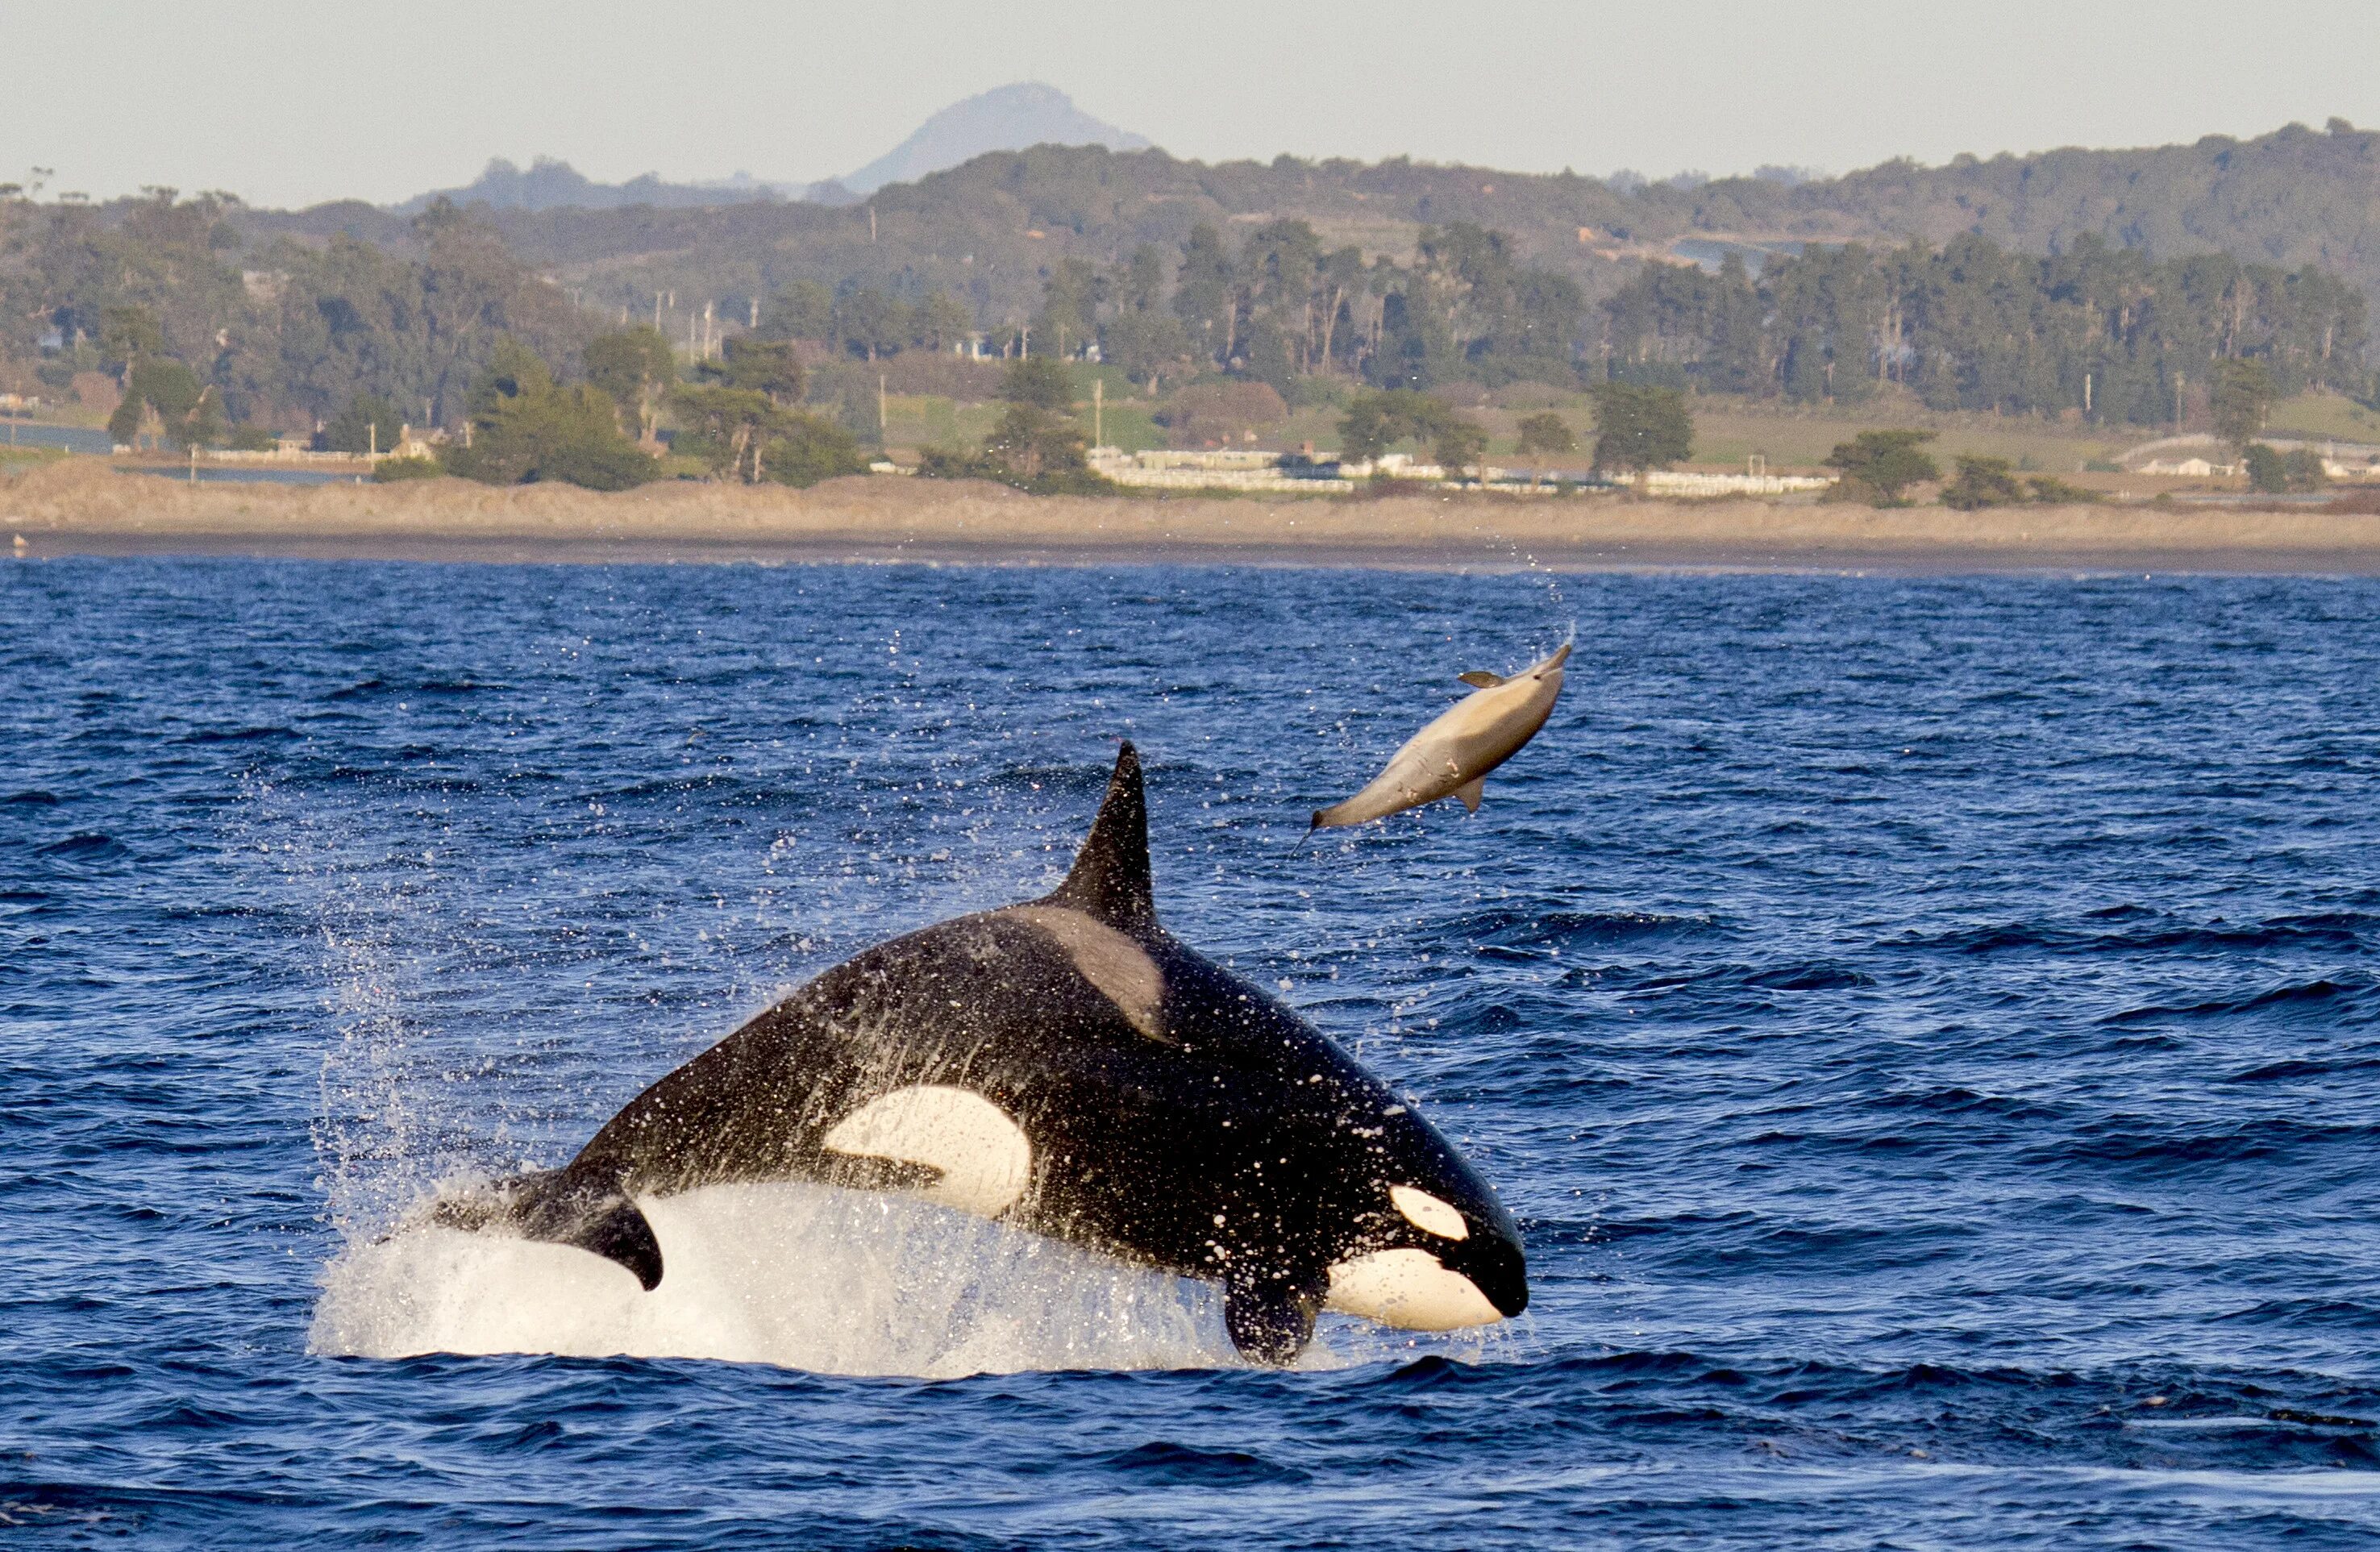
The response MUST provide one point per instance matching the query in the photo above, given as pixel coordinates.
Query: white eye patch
(1426, 1212)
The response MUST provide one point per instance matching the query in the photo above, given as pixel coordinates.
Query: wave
(1164, 1462)
(2350, 993)
(2135, 1140)
(367, 688)
(1494, 931)
(261, 735)
(86, 846)
(2344, 929)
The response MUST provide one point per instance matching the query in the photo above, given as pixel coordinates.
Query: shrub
(1040, 382)
(184, 411)
(390, 470)
(1982, 482)
(811, 448)
(526, 428)
(2302, 469)
(2050, 491)
(2274, 472)
(1376, 421)
(1206, 413)
(1879, 466)
(1459, 443)
(1544, 434)
(369, 424)
(1031, 449)
(1641, 425)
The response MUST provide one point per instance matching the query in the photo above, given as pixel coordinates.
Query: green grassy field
(916, 422)
(1729, 430)
(14, 458)
(2325, 415)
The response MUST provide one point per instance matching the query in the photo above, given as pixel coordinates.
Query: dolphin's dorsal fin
(1110, 877)
(1479, 678)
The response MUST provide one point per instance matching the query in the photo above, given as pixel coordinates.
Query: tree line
(215, 336)
(739, 418)
(1286, 310)
(2105, 332)
(1283, 309)
(284, 336)
(988, 231)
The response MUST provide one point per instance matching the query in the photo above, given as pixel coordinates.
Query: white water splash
(801, 1276)
(808, 1277)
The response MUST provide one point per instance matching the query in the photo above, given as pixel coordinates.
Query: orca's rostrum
(1068, 1067)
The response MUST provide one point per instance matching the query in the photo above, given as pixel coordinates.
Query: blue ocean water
(1927, 1029)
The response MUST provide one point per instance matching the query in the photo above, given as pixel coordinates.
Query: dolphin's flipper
(557, 1208)
(1471, 792)
(1480, 679)
(1270, 1321)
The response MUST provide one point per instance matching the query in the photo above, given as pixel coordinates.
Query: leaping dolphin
(1069, 1067)
(1452, 755)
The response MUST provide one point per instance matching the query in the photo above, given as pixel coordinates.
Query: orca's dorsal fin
(1479, 678)
(1110, 877)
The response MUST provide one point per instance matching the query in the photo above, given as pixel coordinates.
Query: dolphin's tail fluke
(558, 1208)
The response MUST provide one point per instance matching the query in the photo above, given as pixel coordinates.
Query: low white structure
(2200, 456)
(1688, 483)
(1169, 470)
(1299, 474)
(1398, 466)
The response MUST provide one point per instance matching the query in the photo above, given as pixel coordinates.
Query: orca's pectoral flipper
(558, 1208)
(1272, 1319)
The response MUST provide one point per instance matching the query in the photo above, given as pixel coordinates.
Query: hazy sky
(294, 102)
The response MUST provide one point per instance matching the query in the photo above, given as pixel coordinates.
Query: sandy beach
(82, 507)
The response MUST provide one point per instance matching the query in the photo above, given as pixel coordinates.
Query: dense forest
(2023, 285)
(2095, 330)
(988, 231)
(288, 334)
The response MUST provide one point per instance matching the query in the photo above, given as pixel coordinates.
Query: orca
(1452, 755)
(1068, 1067)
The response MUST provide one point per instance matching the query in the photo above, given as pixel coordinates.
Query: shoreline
(61, 510)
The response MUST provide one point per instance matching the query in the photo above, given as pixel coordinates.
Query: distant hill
(990, 230)
(555, 184)
(1005, 118)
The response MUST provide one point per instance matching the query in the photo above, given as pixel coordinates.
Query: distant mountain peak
(1005, 118)
(552, 184)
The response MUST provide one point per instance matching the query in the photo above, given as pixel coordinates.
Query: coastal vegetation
(1286, 305)
(988, 232)
(1037, 446)
(1641, 425)
(2104, 333)
(1877, 466)
(526, 428)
